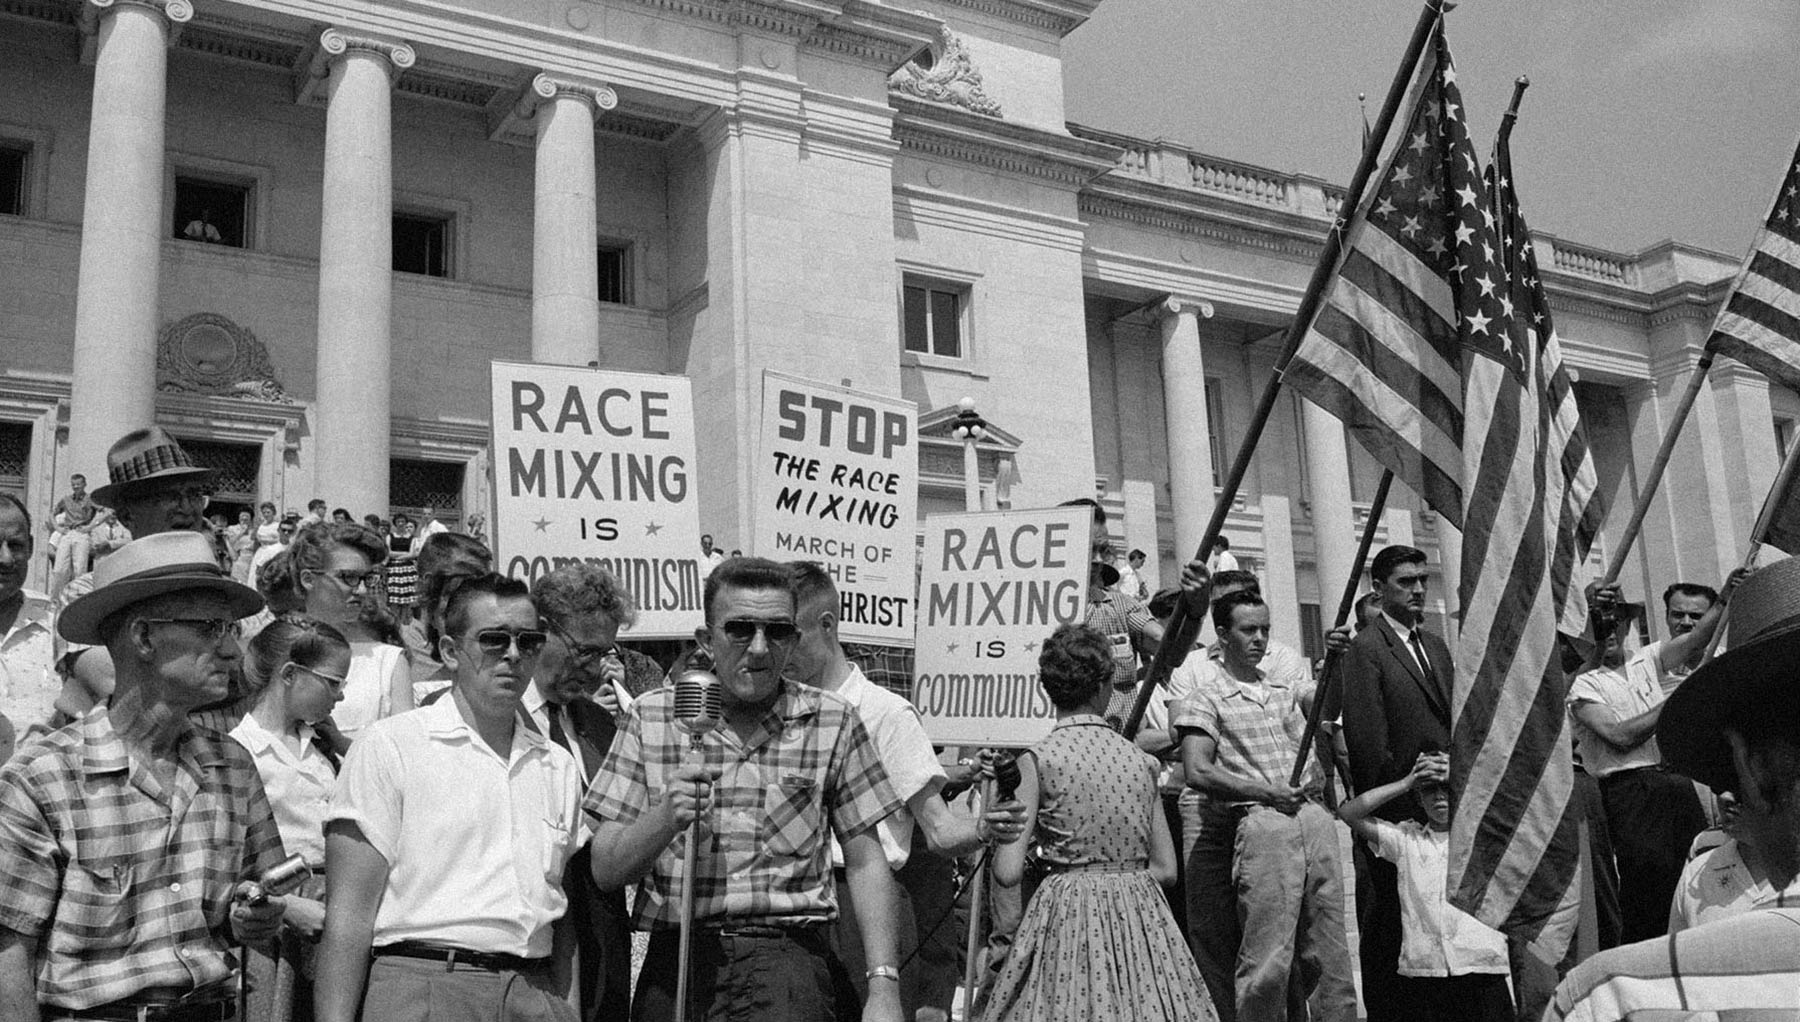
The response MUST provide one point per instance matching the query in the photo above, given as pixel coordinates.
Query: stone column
(1333, 517)
(122, 227)
(565, 288)
(1184, 403)
(356, 290)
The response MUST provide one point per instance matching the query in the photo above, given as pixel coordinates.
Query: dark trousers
(1378, 921)
(928, 881)
(1478, 997)
(1176, 895)
(1652, 817)
(790, 978)
(603, 935)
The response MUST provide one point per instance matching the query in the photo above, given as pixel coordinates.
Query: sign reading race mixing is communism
(996, 584)
(837, 482)
(596, 465)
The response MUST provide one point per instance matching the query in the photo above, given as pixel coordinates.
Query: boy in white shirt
(1455, 965)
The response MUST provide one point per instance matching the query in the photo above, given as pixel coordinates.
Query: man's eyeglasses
(496, 641)
(212, 629)
(582, 653)
(742, 633)
(351, 580)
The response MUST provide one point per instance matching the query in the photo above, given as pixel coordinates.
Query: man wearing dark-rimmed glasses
(573, 696)
(447, 838)
(788, 765)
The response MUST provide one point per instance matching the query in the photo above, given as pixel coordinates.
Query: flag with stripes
(1760, 324)
(1435, 348)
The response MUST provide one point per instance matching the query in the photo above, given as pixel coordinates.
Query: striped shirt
(1258, 727)
(764, 858)
(126, 885)
(1747, 967)
(1123, 620)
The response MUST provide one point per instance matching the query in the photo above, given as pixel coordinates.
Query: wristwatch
(883, 972)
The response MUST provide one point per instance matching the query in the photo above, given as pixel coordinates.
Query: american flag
(1435, 348)
(1760, 324)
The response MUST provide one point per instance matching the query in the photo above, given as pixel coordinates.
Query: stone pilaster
(1184, 402)
(1328, 490)
(565, 302)
(351, 424)
(122, 226)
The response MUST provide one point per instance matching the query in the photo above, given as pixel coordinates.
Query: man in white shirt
(27, 682)
(1652, 815)
(284, 535)
(905, 752)
(1130, 582)
(448, 835)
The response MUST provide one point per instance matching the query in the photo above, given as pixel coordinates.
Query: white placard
(837, 482)
(598, 465)
(996, 584)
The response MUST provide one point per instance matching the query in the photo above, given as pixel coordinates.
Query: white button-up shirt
(1627, 693)
(298, 784)
(905, 753)
(1436, 937)
(475, 843)
(28, 680)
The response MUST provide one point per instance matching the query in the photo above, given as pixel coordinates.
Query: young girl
(296, 677)
(1097, 940)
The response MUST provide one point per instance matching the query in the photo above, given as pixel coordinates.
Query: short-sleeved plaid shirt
(891, 667)
(764, 858)
(1123, 619)
(1258, 727)
(126, 885)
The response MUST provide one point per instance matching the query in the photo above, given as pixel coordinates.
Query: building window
(15, 457)
(15, 164)
(1312, 631)
(934, 315)
(415, 485)
(237, 475)
(1215, 425)
(422, 243)
(212, 212)
(615, 272)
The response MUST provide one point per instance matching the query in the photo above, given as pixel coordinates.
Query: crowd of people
(491, 792)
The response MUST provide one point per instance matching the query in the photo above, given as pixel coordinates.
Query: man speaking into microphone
(787, 762)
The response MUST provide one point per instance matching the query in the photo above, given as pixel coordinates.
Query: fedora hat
(1751, 688)
(143, 456)
(168, 562)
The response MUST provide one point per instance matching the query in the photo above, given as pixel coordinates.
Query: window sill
(959, 366)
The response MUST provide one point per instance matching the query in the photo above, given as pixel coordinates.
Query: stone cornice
(1181, 212)
(937, 130)
(1058, 16)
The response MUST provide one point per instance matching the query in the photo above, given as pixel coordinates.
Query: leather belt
(454, 956)
(127, 1011)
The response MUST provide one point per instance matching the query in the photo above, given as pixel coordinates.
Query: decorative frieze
(210, 355)
(952, 77)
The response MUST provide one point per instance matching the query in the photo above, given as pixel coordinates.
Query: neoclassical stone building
(295, 231)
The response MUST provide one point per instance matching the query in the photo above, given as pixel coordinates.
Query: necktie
(557, 734)
(1418, 649)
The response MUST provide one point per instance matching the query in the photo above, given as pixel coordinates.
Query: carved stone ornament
(952, 78)
(210, 355)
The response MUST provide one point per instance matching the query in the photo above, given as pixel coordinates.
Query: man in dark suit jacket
(582, 607)
(1396, 704)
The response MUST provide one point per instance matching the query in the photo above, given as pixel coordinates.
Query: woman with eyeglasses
(336, 568)
(296, 675)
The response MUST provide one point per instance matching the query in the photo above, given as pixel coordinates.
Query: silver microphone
(697, 706)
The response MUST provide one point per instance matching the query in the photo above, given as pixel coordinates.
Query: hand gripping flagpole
(1183, 627)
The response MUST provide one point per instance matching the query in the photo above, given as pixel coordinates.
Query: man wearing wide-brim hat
(125, 834)
(1733, 725)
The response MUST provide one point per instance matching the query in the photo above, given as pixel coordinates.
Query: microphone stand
(691, 863)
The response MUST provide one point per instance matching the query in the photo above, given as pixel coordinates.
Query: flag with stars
(1435, 348)
(1532, 514)
(1760, 324)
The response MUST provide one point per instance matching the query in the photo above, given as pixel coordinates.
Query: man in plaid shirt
(126, 835)
(787, 762)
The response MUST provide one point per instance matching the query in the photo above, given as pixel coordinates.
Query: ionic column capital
(546, 87)
(175, 12)
(335, 43)
(1177, 305)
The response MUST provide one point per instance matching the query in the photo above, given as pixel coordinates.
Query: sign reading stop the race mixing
(598, 466)
(996, 584)
(838, 483)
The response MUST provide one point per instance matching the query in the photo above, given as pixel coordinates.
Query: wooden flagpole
(1183, 627)
(1346, 604)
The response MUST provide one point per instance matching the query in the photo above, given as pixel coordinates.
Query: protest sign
(837, 482)
(596, 465)
(996, 584)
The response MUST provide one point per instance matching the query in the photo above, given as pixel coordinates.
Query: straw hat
(1750, 688)
(168, 562)
(143, 456)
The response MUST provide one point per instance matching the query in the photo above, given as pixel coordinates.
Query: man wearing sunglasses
(583, 607)
(127, 835)
(447, 839)
(793, 767)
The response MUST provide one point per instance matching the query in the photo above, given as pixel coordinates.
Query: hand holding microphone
(1003, 816)
(698, 710)
(257, 905)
